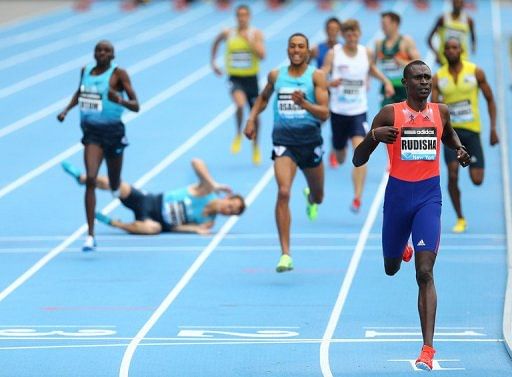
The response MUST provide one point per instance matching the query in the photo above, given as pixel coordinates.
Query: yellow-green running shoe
(236, 145)
(256, 155)
(460, 226)
(285, 263)
(311, 208)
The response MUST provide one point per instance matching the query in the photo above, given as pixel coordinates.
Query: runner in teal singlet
(188, 209)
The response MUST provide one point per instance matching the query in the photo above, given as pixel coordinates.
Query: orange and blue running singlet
(412, 202)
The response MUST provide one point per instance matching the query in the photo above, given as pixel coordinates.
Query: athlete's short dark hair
(333, 20)
(408, 67)
(395, 17)
(241, 198)
(299, 35)
(243, 7)
(455, 39)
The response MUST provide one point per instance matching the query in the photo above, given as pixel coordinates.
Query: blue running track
(188, 305)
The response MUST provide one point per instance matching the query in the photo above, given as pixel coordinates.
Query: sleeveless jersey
(454, 29)
(180, 207)
(292, 124)
(387, 63)
(323, 49)
(461, 97)
(240, 59)
(95, 107)
(414, 156)
(349, 98)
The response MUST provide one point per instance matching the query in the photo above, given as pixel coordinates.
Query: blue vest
(95, 107)
(292, 124)
(323, 49)
(180, 207)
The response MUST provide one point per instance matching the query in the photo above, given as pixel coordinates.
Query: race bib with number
(454, 33)
(351, 91)
(461, 111)
(178, 213)
(418, 143)
(241, 60)
(391, 69)
(90, 102)
(285, 105)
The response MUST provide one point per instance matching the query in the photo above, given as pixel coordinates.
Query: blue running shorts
(411, 208)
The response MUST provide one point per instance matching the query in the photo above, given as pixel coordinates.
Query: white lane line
(151, 103)
(58, 27)
(40, 169)
(79, 62)
(242, 247)
(68, 41)
(189, 274)
(198, 136)
(145, 107)
(325, 367)
(244, 342)
(169, 159)
(142, 65)
(349, 277)
(122, 237)
(505, 167)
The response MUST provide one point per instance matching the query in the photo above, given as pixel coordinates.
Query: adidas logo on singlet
(421, 243)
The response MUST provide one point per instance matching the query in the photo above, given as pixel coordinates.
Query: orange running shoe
(333, 161)
(407, 254)
(356, 205)
(424, 362)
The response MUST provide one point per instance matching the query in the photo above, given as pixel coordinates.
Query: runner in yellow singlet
(457, 84)
(455, 24)
(244, 50)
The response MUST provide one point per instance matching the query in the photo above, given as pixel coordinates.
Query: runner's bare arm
(206, 181)
(430, 39)
(435, 90)
(215, 46)
(121, 81)
(450, 137)
(320, 109)
(382, 131)
(327, 67)
(473, 34)
(375, 72)
(491, 104)
(257, 44)
(260, 104)
(194, 228)
(73, 102)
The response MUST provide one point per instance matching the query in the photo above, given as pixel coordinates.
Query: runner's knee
(477, 178)
(283, 194)
(90, 182)
(391, 266)
(424, 275)
(391, 269)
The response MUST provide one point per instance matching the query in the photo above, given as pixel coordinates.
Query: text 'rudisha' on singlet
(414, 156)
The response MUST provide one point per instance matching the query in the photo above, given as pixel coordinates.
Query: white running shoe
(89, 244)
